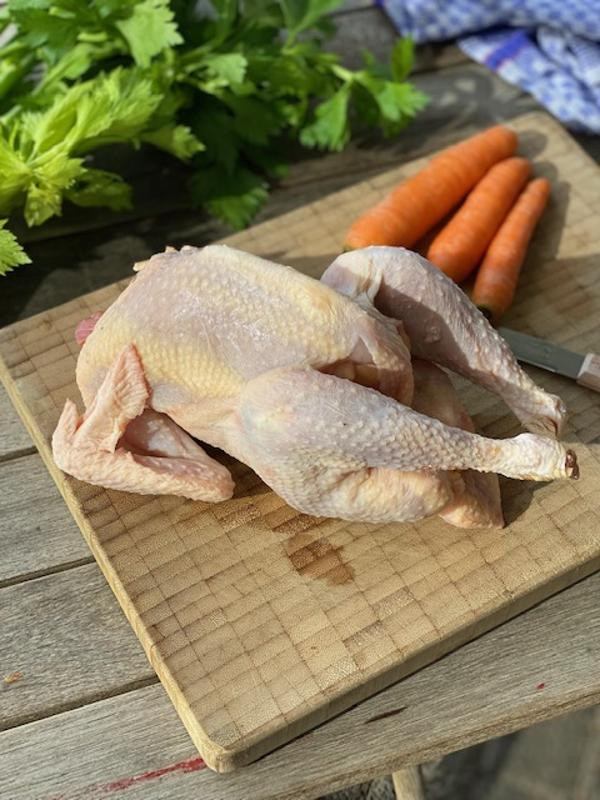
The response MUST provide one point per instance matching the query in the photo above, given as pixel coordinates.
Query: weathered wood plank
(464, 99)
(437, 56)
(68, 638)
(363, 26)
(352, 5)
(537, 666)
(37, 532)
(362, 29)
(14, 439)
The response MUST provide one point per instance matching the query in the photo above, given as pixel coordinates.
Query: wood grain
(65, 635)
(14, 439)
(363, 26)
(233, 603)
(357, 31)
(589, 374)
(37, 532)
(408, 784)
(486, 688)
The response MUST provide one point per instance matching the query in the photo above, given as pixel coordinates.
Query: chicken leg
(477, 503)
(443, 326)
(334, 448)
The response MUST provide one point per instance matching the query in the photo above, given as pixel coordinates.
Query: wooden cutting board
(262, 622)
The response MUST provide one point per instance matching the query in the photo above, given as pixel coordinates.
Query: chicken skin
(328, 389)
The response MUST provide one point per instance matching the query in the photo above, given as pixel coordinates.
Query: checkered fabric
(551, 48)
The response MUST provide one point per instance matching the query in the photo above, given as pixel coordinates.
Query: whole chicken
(328, 389)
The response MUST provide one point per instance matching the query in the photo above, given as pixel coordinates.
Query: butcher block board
(262, 622)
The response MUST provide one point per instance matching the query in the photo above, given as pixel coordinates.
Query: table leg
(408, 784)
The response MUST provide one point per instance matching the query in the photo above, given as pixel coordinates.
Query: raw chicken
(310, 383)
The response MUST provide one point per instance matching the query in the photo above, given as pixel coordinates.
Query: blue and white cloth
(551, 48)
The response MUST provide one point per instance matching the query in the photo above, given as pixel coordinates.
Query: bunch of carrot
(491, 228)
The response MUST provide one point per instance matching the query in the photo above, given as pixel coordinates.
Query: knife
(540, 353)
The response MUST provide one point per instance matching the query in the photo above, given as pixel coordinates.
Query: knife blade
(585, 369)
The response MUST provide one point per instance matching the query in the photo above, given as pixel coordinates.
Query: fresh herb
(225, 85)
(11, 252)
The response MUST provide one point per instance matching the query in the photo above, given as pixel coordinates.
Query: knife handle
(589, 374)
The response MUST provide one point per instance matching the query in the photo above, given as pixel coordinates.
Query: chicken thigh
(477, 503)
(310, 383)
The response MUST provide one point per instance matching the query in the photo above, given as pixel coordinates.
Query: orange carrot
(418, 203)
(458, 248)
(499, 272)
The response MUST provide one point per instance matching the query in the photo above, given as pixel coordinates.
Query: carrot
(418, 203)
(499, 272)
(458, 248)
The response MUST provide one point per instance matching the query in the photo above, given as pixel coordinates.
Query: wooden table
(82, 714)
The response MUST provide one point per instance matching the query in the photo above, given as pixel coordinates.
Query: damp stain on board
(314, 558)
